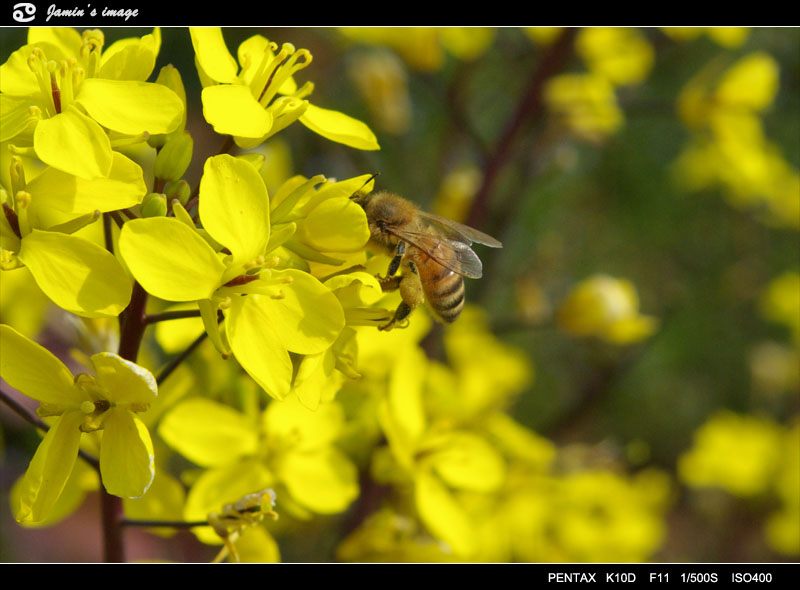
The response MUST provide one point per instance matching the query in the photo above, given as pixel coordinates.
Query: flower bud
(171, 78)
(178, 189)
(173, 159)
(154, 205)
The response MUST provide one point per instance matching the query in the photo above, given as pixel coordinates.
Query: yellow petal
(131, 107)
(212, 53)
(169, 259)
(123, 187)
(257, 345)
(50, 468)
(76, 274)
(339, 127)
(305, 314)
(232, 110)
(443, 515)
(127, 465)
(74, 143)
(234, 207)
(34, 370)
(324, 481)
(467, 461)
(125, 382)
(209, 433)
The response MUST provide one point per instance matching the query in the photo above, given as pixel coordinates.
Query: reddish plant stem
(134, 324)
(528, 109)
(131, 334)
(111, 510)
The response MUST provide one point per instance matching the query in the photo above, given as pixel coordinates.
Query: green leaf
(339, 127)
(76, 274)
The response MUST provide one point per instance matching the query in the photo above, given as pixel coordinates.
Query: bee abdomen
(447, 297)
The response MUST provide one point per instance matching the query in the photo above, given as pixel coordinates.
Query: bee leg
(394, 265)
(389, 283)
(412, 294)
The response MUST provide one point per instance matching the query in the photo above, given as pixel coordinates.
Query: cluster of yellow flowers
(723, 106)
(70, 108)
(586, 103)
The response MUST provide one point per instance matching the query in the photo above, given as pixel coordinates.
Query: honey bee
(434, 253)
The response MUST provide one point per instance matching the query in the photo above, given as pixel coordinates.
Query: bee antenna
(356, 194)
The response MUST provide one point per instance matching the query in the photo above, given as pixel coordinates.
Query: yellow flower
(780, 302)
(606, 308)
(108, 401)
(269, 312)
(383, 83)
(61, 92)
(621, 55)
(585, 104)
(423, 48)
(257, 97)
(738, 453)
(288, 447)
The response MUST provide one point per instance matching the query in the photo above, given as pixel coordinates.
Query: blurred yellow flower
(607, 308)
(423, 48)
(730, 150)
(382, 81)
(542, 35)
(780, 302)
(749, 85)
(783, 526)
(738, 453)
(587, 516)
(456, 193)
(621, 55)
(728, 37)
(585, 104)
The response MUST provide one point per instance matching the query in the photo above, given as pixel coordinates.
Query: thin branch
(174, 363)
(175, 524)
(528, 109)
(171, 315)
(117, 218)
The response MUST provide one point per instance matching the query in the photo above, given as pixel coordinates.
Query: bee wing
(459, 231)
(453, 255)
